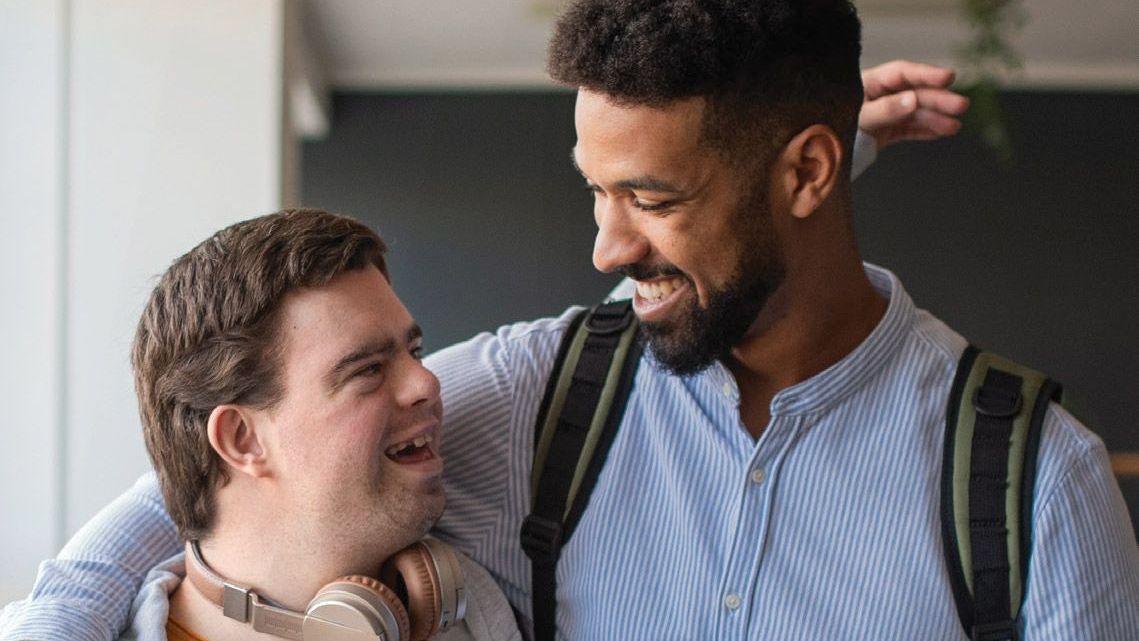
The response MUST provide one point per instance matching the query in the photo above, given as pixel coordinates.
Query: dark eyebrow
(384, 347)
(640, 183)
(647, 183)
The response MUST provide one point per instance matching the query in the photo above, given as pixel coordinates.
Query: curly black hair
(768, 68)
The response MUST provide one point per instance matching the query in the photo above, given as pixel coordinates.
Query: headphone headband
(353, 607)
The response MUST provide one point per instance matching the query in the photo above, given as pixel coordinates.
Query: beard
(698, 335)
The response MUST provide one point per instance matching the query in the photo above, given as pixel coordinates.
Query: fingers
(899, 107)
(923, 125)
(942, 101)
(886, 111)
(909, 101)
(934, 124)
(900, 75)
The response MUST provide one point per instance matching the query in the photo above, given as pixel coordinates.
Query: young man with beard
(294, 431)
(775, 472)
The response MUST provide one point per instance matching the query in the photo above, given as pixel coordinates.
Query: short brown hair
(208, 337)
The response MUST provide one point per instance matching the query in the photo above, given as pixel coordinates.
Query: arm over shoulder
(492, 385)
(86, 592)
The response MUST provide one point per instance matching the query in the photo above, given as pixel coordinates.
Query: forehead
(319, 324)
(648, 138)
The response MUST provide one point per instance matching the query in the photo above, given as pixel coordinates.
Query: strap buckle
(610, 318)
(541, 539)
(999, 631)
(997, 402)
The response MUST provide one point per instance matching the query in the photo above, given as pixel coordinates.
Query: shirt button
(757, 475)
(732, 601)
(727, 389)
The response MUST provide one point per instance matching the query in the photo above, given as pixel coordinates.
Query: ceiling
(391, 44)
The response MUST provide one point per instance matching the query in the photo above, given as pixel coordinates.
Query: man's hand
(909, 101)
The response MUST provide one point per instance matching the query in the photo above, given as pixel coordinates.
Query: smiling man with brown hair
(295, 434)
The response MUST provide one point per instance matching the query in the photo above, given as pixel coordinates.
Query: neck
(286, 563)
(811, 322)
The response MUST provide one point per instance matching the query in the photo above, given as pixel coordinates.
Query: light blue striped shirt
(826, 527)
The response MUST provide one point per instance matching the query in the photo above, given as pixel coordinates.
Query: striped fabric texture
(826, 527)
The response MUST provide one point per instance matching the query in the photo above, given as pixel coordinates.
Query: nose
(420, 387)
(618, 242)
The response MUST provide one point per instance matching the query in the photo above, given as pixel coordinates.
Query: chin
(423, 509)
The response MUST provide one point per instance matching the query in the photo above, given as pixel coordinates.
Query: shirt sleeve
(1083, 582)
(86, 593)
(492, 386)
(864, 155)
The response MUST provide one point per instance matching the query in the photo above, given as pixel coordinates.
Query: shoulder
(489, 616)
(941, 345)
(151, 605)
(1071, 456)
(529, 340)
(1084, 578)
(501, 368)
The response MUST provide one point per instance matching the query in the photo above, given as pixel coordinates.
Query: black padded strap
(998, 401)
(544, 531)
(993, 427)
(961, 595)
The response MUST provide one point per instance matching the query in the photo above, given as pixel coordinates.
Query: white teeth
(657, 290)
(418, 441)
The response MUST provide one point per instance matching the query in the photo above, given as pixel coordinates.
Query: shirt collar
(864, 362)
(849, 373)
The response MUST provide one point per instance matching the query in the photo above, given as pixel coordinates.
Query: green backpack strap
(992, 435)
(577, 420)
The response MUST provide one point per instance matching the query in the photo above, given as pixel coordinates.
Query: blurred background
(132, 129)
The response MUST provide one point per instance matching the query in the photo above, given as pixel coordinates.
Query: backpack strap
(993, 422)
(583, 404)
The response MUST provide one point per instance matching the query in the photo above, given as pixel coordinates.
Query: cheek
(361, 426)
(351, 432)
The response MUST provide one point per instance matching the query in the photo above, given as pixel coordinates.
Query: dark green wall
(489, 223)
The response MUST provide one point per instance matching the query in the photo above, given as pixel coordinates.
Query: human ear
(811, 162)
(233, 435)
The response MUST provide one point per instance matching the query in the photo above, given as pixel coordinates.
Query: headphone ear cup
(414, 567)
(389, 610)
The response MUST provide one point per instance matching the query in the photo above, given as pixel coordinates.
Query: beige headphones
(422, 593)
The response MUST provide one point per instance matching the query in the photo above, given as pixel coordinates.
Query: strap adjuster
(610, 318)
(997, 402)
(541, 539)
(999, 631)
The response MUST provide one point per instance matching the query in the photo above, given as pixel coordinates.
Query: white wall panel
(31, 200)
(129, 131)
(175, 119)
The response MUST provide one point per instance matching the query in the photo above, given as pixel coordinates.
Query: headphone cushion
(384, 595)
(424, 597)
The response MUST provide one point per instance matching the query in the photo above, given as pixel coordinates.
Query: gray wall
(489, 223)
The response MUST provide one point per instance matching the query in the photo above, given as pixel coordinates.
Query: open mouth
(415, 450)
(654, 296)
(658, 290)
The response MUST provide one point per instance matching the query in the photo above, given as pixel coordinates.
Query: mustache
(649, 272)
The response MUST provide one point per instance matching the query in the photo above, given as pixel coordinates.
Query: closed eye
(653, 207)
(371, 369)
